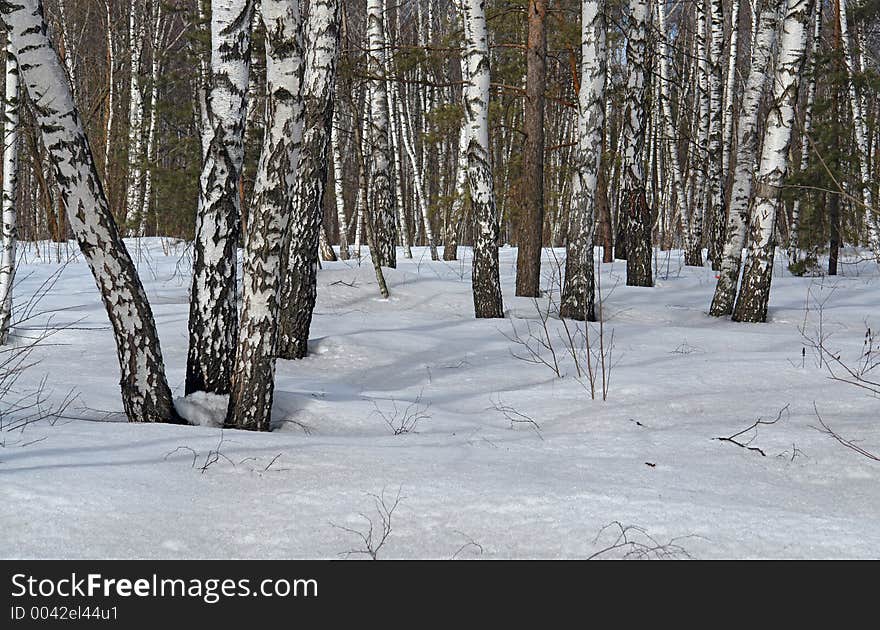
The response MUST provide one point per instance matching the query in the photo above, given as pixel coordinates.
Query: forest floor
(493, 456)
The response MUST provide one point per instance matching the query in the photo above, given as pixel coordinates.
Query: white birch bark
(111, 87)
(418, 182)
(747, 147)
(754, 295)
(253, 383)
(11, 104)
(578, 292)
(486, 281)
(715, 195)
(634, 205)
(669, 128)
(872, 222)
(338, 190)
(794, 236)
(730, 91)
(381, 202)
(134, 184)
(155, 65)
(299, 282)
(213, 313)
(146, 396)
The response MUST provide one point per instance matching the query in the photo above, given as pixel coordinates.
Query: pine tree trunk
(754, 296)
(299, 283)
(578, 293)
(253, 382)
(531, 222)
(146, 396)
(486, 280)
(213, 314)
(747, 148)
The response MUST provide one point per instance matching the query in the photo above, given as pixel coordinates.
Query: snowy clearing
(494, 457)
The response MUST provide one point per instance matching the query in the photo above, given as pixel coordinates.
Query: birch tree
(299, 283)
(806, 127)
(213, 313)
(134, 185)
(578, 293)
(639, 249)
(486, 281)
(11, 103)
(146, 396)
(381, 202)
(861, 138)
(754, 295)
(747, 147)
(253, 382)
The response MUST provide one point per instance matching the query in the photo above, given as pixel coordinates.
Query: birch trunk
(11, 103)
(134, 184)
(486, 281)
(669, 128)
(578, 292)
(716, 208)
(754, 296)
(635, 206)
(299, 282)
(213, 314)
(338, 190)
(381, 202)
(807, 126)
(253, 381)
(747, 147)
(871, 220)
(151, 129)
(146, 396)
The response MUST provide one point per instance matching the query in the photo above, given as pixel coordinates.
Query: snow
(203, 409)
(473, 484)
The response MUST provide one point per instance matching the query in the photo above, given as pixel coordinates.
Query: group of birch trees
(298, 130)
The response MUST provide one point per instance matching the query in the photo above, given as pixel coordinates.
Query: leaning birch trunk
(212, 312)
(747, 148)
(253, 381)
(381, 203)
(338, 191)
(135, 119)
(10, 180)
(146, 396)
(578, 292)
(299, 279)
(637, 214)
(486, 280)
(754, 295)
(794, 236)
(669, 133)
(872, 222)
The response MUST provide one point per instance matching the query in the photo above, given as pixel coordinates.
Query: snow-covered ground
(472, 483)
